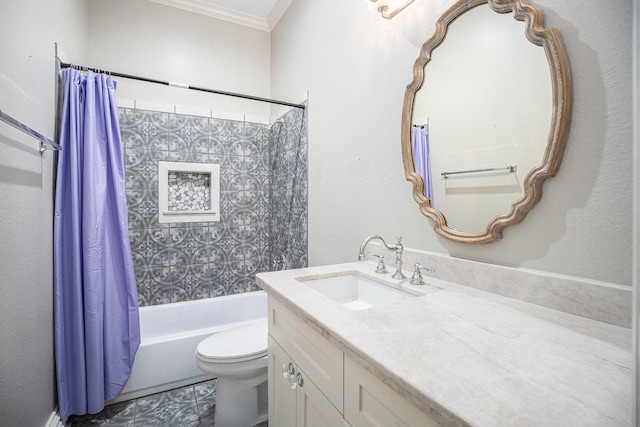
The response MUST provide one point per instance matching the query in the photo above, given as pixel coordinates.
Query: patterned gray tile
(193, 405)
(147, 129)
(149, 245)
(188, 133)
(206, 399)
(218, 256)
(173, 408)
(148, 285)
(217, 288)
(215, 270)
(263, 197)
(223, 134)
(190, 287)
(146, 208)
(117, 415)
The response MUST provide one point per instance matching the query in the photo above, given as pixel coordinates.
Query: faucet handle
(380, 268)
(416, 278)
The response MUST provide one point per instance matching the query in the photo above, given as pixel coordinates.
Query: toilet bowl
(238, 358)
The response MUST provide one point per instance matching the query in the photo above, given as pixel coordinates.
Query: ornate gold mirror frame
(550, 40)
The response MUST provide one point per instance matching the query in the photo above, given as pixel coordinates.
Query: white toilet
(238, 358)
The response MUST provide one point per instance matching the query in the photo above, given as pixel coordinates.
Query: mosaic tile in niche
(189, 191)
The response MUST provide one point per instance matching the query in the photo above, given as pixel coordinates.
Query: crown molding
(276, 13)
(208, 9)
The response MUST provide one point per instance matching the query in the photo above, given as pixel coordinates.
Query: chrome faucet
(416, 278)
(381, 268)
(398, 249)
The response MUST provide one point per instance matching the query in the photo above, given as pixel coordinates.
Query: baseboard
(54, 420)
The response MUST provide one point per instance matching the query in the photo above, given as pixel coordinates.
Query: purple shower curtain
(97, 329)
(420, 139)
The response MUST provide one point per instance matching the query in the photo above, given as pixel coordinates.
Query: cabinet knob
(293, 383)
(300, 380)
(288, 371)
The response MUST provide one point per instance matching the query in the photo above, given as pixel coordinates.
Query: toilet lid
(236, 344)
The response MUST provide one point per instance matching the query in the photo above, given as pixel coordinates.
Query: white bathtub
(170, 333)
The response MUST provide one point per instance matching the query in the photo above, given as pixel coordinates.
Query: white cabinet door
(296, 400)
(319, 358)
(368, 402)
(282, 397)
(314, 409)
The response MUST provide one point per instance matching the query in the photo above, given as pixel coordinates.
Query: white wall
(28, 31)
(636, 211)
(148, 39)
(356, 67)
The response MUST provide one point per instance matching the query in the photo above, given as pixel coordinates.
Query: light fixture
(388, 8)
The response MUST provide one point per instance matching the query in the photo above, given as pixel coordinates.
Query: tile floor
(183, 407)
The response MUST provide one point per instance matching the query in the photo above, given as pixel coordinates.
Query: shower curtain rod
(181, 85)
(26, 129)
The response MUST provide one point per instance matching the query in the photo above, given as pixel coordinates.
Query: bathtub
(170, 333)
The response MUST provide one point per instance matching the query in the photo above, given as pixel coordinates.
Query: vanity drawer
(321, 361)
(371, 403)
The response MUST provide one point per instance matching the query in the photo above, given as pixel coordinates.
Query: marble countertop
(472, 358)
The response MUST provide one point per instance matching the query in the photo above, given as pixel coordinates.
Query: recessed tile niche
(188, 192)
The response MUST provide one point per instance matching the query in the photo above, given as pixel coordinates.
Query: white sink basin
(356, 292)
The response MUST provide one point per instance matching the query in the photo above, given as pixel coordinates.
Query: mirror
(485, 118)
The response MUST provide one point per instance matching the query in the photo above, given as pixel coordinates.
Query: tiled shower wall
(186, 261)
(288, 199)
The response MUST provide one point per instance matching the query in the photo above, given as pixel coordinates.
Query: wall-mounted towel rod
(424, 121)
(44, 141)
(182, 85)
(510, 168)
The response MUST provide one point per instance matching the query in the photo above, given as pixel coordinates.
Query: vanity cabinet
(301, 363)
(294, 400)
(370, 402)
(282, 389)
(321, 360)
(312, 382)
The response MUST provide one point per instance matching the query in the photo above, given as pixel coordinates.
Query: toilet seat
(234, 345)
